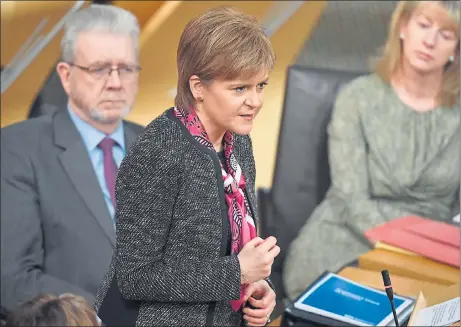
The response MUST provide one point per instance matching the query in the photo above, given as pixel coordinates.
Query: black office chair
(301, 176)
(50, 98)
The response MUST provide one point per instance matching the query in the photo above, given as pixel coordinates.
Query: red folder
(432, 239)
(437, 231)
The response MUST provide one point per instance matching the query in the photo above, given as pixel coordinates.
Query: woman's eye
(423, 25)
(448, 35)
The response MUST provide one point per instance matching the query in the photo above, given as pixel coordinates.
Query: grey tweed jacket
(172, 229)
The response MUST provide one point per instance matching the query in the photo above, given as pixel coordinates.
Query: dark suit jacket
(172, 233)
(57, 235)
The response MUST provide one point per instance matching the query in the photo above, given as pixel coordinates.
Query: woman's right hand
(256, 259)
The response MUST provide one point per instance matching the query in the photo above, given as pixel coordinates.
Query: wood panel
(18, 21)
(21, 19)
(288, 42)
(143, 10)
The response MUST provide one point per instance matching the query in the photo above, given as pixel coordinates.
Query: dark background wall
(347, 35)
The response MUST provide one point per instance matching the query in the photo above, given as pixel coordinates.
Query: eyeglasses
(125, 72)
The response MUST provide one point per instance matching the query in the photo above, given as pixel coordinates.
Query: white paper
(456, 219)
(442, 314)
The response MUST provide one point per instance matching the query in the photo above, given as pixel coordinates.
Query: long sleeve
(146, 191)
(22, 252)
(348, 162)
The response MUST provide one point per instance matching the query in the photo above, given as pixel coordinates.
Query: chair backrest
(50, 98)
(301, 176)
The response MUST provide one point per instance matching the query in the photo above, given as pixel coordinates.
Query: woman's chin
(243, 129)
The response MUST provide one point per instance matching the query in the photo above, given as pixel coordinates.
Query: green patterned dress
(386, 161)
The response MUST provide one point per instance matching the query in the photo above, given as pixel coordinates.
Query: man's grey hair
(98, 18)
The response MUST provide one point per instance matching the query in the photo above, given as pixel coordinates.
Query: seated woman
(51, 310)
(394, 143)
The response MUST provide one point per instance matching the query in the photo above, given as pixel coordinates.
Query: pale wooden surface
(415, 267)
(276, 322)
(402, 285)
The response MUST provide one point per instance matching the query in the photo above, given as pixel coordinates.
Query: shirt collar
(92, 136)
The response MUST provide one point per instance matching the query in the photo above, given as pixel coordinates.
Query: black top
(222, 158)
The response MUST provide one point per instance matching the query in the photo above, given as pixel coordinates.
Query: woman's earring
(452, 58)
(199, 99)
(402, 36)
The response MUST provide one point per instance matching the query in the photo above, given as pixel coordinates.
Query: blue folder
(334, 300)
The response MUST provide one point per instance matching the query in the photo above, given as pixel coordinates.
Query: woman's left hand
(261, 296)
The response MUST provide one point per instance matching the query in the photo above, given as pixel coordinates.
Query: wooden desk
(402, 285)
(276, 322)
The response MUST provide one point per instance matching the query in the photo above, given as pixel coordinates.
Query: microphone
(390, 293)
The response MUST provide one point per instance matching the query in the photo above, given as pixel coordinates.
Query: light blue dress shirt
(91, 138)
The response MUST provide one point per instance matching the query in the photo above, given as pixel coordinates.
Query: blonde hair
(51, 310)
(220, 43)
(390, 59)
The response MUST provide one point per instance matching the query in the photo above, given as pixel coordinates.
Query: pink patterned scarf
(241, 223)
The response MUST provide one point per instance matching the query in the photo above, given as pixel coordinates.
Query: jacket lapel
(249, 189)
(77, 165)
(130, 135)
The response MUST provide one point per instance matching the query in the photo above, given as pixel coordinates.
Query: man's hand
(261, 296)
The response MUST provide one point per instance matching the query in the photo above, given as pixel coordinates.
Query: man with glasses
(58, 171)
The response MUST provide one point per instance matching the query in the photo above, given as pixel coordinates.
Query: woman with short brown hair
(187, 251)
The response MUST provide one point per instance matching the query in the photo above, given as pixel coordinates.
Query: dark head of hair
(51, 310)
